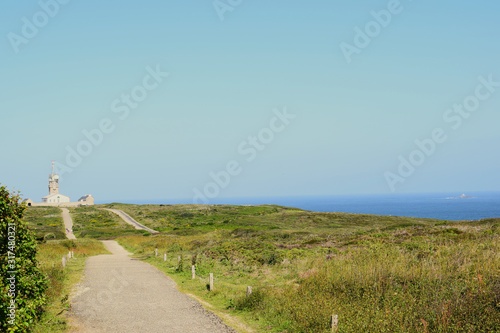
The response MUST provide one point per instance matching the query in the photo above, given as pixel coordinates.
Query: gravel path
(125, 217)
(68, 223)
(122, 294)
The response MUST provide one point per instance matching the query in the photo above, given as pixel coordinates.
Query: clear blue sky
(352, 120)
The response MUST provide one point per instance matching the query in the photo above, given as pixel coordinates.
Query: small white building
(28, 202)
(55, 198)
(86, 200)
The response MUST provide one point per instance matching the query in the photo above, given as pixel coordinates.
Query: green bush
(271, 258)
(180, 265)
(22, 293)
(69, 244)
(250, 303)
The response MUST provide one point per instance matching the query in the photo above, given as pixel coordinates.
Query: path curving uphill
(68, 223)
(122, 294)
(125, 217)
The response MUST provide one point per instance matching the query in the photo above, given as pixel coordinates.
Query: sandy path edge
(68, 223)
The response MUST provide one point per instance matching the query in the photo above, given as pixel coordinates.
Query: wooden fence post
(211, 280)
(69, 255)
(156, 252)
(72, 255)
(165, 257)
(178, 259)
(335, 323)
(64, 261)
(193, 272)
(249, 291)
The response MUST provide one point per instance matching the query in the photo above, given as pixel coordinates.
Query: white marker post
(335, 323)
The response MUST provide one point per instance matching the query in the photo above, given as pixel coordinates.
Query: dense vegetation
(22, 285)
(377, 273)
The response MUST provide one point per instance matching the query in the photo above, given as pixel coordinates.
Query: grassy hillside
(93, 222)
(45, 222)
(377, 273)
(183, 219)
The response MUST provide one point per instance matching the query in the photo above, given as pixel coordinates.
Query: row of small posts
(193, 274)
(70, 255)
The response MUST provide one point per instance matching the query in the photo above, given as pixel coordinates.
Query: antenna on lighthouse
(53, 165)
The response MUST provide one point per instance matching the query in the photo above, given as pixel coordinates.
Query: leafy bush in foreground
(22, 285)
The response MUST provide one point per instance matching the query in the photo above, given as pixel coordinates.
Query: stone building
(86, 200)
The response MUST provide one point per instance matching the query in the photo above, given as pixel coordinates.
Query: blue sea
(444, 206)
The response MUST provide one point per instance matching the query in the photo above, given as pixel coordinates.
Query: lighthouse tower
(53, 181)
(54, 196)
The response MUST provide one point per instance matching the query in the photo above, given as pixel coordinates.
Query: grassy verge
(378, 274)
(62, 280)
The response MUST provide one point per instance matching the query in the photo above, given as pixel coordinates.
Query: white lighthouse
(54, 196)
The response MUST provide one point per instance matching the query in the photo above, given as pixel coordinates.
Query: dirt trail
(122, 294)
(68, 223)
(128, 219)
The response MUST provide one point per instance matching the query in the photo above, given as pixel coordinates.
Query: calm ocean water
(445, 206)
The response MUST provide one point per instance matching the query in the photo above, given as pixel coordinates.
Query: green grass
(427, 282)
(45, 222)
(377, 273)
